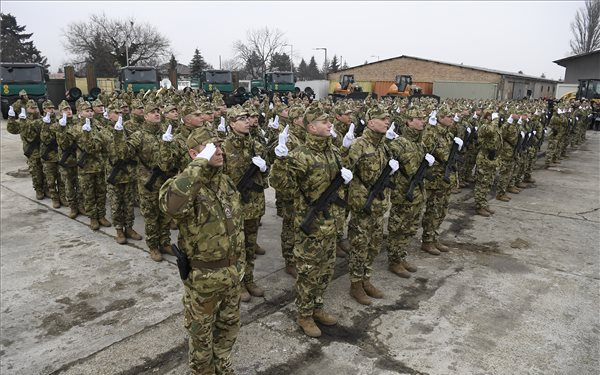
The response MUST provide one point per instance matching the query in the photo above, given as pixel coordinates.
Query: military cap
(97, 103)
(150, 106)
(114, 107)
(444, 111)
(415, 112)
(296, 111)
(377, 111)
(136, 103)
(189, 110)
(315, 113)
(123, 104)
(252, 111)
(236, 111)
(48, 104)
(31, 104)
(63, 105)
(169, 107)
(201, 136)
(341, 109)
(83, 105)
(22, 92)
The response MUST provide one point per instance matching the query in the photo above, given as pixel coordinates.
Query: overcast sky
(510, 36)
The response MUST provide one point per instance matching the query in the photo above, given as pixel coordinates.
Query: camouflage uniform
(510, 137)
(49, 157)
(490, 143)
(557, 125)
(68, 168)
(206, 205)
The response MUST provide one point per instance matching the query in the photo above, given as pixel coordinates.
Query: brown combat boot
(503, 198)
(121, 240)
(290, 269)
(308, 326)
(173, 225)
(259, 250)
(39, 195)
(55, 203)
(324, 318)
(94, 224)
(155, 255)
(131, 233)
(529, 180)
(513, 190)
(430, 248)
(483, 212)
(490, 210)
(255, 290)
(167, 250)
(399, 270)
(104, 222)
(339, 251)
(244, 295)
(371, 290)
(408, 266)
(522, 185)
(73, 213)
(358, 293)
(345, 245)
(441, 247)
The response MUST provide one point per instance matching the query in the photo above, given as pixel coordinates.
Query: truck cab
(136, 78)
(22, 76)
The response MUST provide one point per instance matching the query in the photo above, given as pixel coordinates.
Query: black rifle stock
(156, 173)
(246, 184)
(376, 191)
(451, 162)
(52, 146)
(120, 165)
(82, 159)
(322, 204)
(183, 263)
(416, 179)
(32, 146)
(66, 153)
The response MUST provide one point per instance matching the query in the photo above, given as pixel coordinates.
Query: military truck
(226, 82)
(274, 82)
(138, 77)
(22, 76)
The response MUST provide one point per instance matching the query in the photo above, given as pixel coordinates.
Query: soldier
(125, 112)
(405, 213)
(557, 124)
(490, 144)
(171, 116)
(242, 154)
(307, 172)
(21, 102)
(67, 164)
(205, 203)
(100, 114)
(510, 137)
(49, 155)
(369, 156)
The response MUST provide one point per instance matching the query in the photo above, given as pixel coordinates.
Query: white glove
(433, 121)
(260, 163)
(23, 114)
(522, 134)
(475, 115)
(105, 114)
(168, 137)
(390, 134)
(11, 111)
(397, 109)
(276, 122)
(394, 165)
(459, 142)
(534, 132)
(119, 124)
(349, 137)
(270, 105)
(63, 120)
(362, 121)
(208, 151)
(46, 118)
(469, 130)
(577, 118)
(221, 126)
(456, 118)
(87, 126)
(510, 119)
(272, 124)
(494, 116)
(281, 150)
(476, 128)
(430, 159)
(346, 175)
(332, 132)
(520, 122)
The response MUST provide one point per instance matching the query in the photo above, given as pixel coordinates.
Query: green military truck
(274, 82)
(135, 78)
(22, 76)
(224, 81)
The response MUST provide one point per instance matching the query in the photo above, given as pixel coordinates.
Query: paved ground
(519, 295)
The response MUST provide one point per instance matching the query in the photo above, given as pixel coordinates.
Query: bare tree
(115, 42)
(586, 28)
(260, 46)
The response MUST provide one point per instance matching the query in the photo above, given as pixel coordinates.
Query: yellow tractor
(346, 88)
(403, 87)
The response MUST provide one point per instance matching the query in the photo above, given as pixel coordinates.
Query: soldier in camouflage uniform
(558, 124)
(206, 205)
(28, 126)
(368, 155)
(99, 112)
(510, 137)
(490, 144)
(305, 173)
(241, 153)
(49, 156)
(67, 155)
(171, 117)
(21, 102)
(125, 112)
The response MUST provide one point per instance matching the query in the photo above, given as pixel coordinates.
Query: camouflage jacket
(49, 145)
(206, 205)
(438, 142)
(409, 150)
(66, 141)
(30, 129)
(120, 162)
(305, 174)
(91, 146)
(134, 124)
(239, 150)
(489, 138)
(510, 137)
(368, 156)
(146, 145)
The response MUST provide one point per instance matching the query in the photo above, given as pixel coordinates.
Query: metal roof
(563, 60)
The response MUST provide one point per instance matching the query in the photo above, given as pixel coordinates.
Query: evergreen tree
(312, 72)
(197, 65)
(344, 65)
(303, 70)
(335, 65)
(280, 62)
(15, 43)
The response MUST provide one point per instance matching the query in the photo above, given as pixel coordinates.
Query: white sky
(510, 36)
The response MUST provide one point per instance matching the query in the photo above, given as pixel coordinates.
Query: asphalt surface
(519, 294)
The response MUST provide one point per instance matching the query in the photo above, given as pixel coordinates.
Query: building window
(548, 89)
(542, 90)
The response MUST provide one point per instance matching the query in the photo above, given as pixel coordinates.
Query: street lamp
(326, 67)
(127, 45)
(291, 56)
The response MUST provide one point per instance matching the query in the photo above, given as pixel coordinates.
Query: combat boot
(430, 248)
(94, 224)
(259, 250)
(513, 190)
(408, 266)
(167, 250)
(308, 326)
(173, 225)
(371, 290)
(39, 195)
(399, 270)
(357, 292)
(55, 203)
(521, 185)
(339, 251)
(441, 247)
(244, 295)
(73, 213)
(290, 269)
(104, 222)
(482, 212)
(255, 290)
(155, 255)
(490, 210)
(503, 198)
(529, 180)
(121, 237)
(131, 233)
(324, 318)
(345, 245)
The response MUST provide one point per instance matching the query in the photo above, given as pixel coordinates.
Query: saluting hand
(349, 137)
(168, 137)
(11, 111)
(63, 120)
(87, 126)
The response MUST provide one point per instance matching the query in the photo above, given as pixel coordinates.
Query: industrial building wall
(583, 68)
(464, 90)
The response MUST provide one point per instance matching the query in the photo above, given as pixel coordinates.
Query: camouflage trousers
(552, 151)
(250, 235)
(54, 183)
(530, 160)
(73, 196)
(121, 204)
(156, 222)
(37, 173)
(288, 233)
(403, 225)
(315, 261)
(212, 320)
(341, 216)
(518, 170)
(465, 169)
(436, 209)
(484, 179)
(365, 233)
(504, 175)
(93, 188)
(562, 145)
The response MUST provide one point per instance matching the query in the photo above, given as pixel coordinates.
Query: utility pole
(326, 62)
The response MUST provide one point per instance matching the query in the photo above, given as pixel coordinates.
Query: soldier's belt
(215, 264)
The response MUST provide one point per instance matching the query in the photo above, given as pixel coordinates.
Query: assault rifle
(451, 162)
(120, 165)
(417, 179)
(183, 263)
(32, 146)
(518, 146)
(66, 153)
(156, 173)
(246, 184)
(82, 159)
(52, 146)
(322, 204)
(376, 191)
